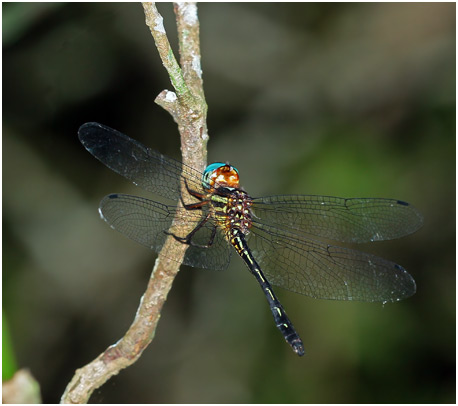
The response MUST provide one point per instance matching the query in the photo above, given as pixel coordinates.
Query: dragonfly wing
(354, 220)
(145, 167)
(324, 271)
(146, 222)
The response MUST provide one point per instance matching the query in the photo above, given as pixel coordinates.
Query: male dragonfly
(274, 235)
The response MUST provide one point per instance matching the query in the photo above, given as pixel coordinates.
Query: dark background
(335, 99)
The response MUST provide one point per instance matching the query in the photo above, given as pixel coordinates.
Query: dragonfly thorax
(232, 210)
(220, 175)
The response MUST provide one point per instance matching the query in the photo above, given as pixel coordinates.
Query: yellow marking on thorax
(219, 199)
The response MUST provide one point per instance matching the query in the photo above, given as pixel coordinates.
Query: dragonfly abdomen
(281, 319)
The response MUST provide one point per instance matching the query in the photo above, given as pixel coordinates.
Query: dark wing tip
(90, 134)
(416, 218)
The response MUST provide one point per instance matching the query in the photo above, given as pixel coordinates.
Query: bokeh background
(335, 99)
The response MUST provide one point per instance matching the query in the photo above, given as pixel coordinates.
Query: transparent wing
(143, 166)
(146, 222)
(324, 271)
(348, 220)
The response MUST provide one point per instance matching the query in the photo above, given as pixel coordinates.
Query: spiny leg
(194, 206)
(199, 196)
(188, 239)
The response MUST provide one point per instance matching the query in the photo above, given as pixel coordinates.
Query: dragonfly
(280, 238)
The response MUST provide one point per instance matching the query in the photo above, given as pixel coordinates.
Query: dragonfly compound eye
(220, 175)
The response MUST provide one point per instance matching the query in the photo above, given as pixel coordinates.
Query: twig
(188, 108)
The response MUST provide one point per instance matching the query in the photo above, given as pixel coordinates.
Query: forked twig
(188, 108)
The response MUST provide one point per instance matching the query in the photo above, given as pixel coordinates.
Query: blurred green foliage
(8, 359)
(352, 99)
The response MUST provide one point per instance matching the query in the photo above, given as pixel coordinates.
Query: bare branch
(189, 110)
(188, 40)
(155, 23)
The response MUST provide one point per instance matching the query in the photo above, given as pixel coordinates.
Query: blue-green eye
(208, 172)
(221, 173)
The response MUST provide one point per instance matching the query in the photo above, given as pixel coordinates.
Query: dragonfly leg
(194, 206)
(197, 195)
(194, 193)
(188, 239)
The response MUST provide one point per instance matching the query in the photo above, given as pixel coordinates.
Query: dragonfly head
(219, 174)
